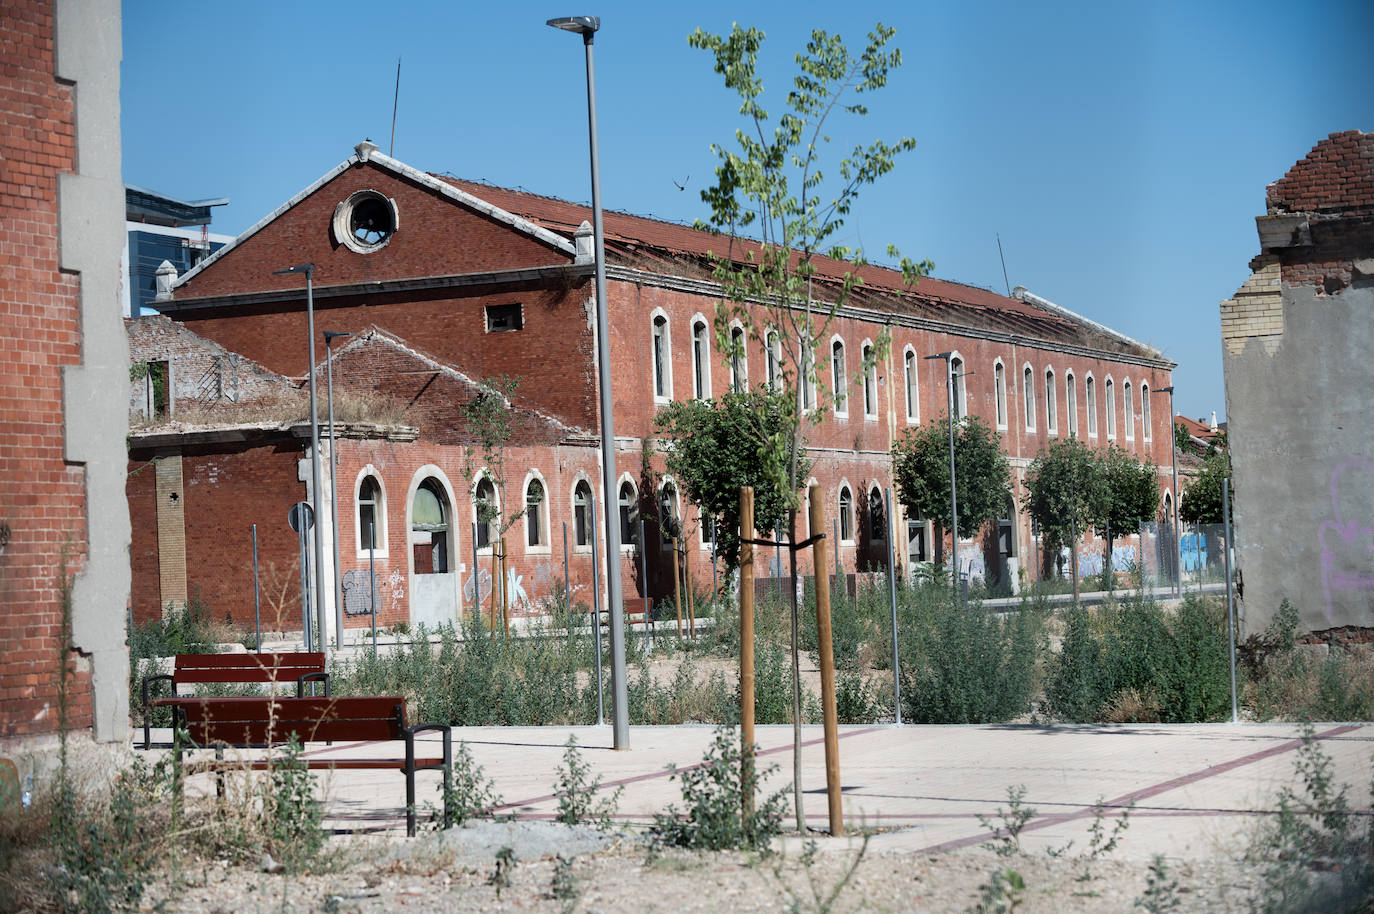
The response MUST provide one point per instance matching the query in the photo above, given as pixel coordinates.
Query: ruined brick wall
(1297, 387)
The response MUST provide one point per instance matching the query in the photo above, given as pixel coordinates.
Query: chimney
(584, 240)
(1214, 422)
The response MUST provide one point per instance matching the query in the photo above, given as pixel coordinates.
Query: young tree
(774, 192)
(920, 468)
(715, 451)
(490, 419)
(1202, 501)
(1063, 486)
(1129, 494)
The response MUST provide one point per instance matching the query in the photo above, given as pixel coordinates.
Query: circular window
(365, 221)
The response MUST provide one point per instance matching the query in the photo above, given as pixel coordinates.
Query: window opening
(534, 508)
(668, 524)
(486, 511)
(369, 497)
(661, 388)
(1111, 409)
(870, 383)
(700, 361)
(1128, 410)
(838, 381)
(629, 514)
(774, 346)
(739, 373)
(1071, 403)
(503, 318)
(429, 533)
(912, 401)
(877, 518)
(1145, 411)
(582, 514)
(956, 381)
(1051, 406)
(1091, 405)
(999, 378)
(1028, 396)
(846, 514)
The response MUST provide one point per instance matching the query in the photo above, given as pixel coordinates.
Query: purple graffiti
(1347, 544)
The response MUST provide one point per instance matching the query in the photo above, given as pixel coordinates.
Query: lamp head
(939, 355)
(582, 25)
(1165, 390)
(332, 335)
(306, 268)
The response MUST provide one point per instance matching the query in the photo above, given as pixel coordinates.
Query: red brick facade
(42, 517)
(418, 309)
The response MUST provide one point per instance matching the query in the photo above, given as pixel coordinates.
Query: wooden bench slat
(363, 764)
(251, 719)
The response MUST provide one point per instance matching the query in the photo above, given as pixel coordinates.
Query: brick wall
(41, 508)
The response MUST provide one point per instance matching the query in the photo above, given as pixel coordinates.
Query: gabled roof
(666, 247)
(1337, 176)
(367, 152)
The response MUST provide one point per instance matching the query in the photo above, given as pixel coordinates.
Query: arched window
(1128, 410)
(1145, 411)
(870, 383)
(1051, 404)
(486, 511)
(808, 372)
(877, 516)
(846, 515)
(739, 367)
(773, 345)
(1028, 396)
(1071, 402)
(1111, 409)
(999, 380)
(1090, 395)
(956, 382)
(701, 360)
(669, 524)
(629, 514)
(536, 532)
(663, 377)
(371, 516)
(429, 529)
(838, 382)
(913, 403)
(582, 514)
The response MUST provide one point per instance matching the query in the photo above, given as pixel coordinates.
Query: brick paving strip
(1145, 793)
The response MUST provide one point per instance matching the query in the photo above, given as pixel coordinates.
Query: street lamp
(586, 26)
(309, 270)
(953, 499)
(329, 337)
(1173, 456)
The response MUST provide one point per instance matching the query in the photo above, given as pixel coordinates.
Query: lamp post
(309, 270)
(329, 337)
(1173, 456)
(953, 499)
(586, 26)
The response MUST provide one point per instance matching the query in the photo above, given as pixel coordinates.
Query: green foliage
(962, 665)
(716, 450)
(1315, 832)
(491, 418)
(774, 189)
(563, 887)
(920, 468)
(1203, 502)
(1176, 661)
(712, 792)
(472, 795)
(1001, 894)
(1014, 819)
(1063, 487)
(1129, 493)
(291, 814)
(1161, 890)
(188, 629)
(576, 790)
(1182, 439)
(500, 877)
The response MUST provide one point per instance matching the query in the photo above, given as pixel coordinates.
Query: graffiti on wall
(1347, 538)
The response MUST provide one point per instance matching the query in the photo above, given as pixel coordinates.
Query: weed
(576, 791)
(1314, 832)
(823, 898)
(1007, 838)
(1102, 842)
(471, 793)
(1001, 894)
(712, 793)
(500, 877)
(290, 810)
(564, 887)
(1161, 891)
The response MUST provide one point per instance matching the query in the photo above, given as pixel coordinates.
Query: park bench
(256, 722)
(297, 667)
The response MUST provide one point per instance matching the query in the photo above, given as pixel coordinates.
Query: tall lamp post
(1173, 456)
(309, 270)
(586, 26)
(329, 337)
(953, 499)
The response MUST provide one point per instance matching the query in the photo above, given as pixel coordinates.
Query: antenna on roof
(1004, 263)
(394, 102)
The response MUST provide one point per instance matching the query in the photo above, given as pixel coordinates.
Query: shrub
(714, 819)
(965, 665)
(576, 790)
(471, 794)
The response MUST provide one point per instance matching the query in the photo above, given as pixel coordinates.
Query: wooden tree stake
(827, 651)
(746, 651)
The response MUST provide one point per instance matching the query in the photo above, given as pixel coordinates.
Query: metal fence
(1192, 560)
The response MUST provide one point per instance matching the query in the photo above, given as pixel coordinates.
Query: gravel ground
(453, 872)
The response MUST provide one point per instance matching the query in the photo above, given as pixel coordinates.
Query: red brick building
(444, 283)
(64, 532)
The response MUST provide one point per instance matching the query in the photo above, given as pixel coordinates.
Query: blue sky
(1120, 150)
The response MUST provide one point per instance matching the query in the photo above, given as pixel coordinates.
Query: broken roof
(1337, 176)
